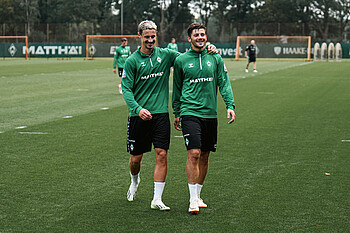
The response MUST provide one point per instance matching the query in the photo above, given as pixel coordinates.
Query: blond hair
(146, 25)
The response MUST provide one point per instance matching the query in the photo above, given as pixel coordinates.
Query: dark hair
(194, 26)
(124, 39)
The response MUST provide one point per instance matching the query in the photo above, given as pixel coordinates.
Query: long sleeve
(177, 88)
(115, 59)
(128, 81)
(225, 85)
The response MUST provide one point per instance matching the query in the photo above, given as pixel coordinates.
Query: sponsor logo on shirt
(199, 80)
(124, 74)
(208, 63)
(152, 75)
(143, 64)
(190, 65)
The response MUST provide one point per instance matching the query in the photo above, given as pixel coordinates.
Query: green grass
(268, 174)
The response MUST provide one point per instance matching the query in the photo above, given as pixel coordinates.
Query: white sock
(158, 190)
(199, 189)
(193, 191)
(134, 178)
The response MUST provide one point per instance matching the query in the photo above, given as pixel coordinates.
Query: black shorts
(200, 133)
(252, 59)
(120, 72)
(141, 134)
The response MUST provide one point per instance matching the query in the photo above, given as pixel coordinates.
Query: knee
(135, 159)
(194, 154)
(161, 156)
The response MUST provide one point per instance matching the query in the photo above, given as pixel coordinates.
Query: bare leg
(160, 170)
(254, 66)
(135, 163)
(192, 166)
(135, 166)
(203, 167)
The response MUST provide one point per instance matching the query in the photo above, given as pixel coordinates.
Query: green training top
(197, 76)
(145, 81)
(121, 54)
(173, 47)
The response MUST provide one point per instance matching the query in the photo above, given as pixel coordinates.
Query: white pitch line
(65, 117)
(21, 127)
(1, 131)
(178, 136)
(232, 78)
(105, 108)
(345, 140)
(82, 89)
(33, 133)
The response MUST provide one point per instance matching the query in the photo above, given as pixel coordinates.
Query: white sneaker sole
(158, 207)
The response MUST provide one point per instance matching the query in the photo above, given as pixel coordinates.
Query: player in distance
(197, 77)
(120, 55)
(173, 45)
(250, 53)
(145, 84)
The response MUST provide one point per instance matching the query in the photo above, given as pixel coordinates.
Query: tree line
(323, 19)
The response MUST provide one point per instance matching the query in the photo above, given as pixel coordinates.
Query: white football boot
(194, 207)
(159, 205)
(246, 70)
(131, 195)
(201, 203)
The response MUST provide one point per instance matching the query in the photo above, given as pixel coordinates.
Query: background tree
(27, 11)
(6, 10)
(175, 19)
(222, 16)
(204, 9)
(242, 12)
(323, 14)
(343, 15)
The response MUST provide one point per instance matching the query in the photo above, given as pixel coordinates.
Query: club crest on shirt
(124, 74)
(159, 59)
(208, 63)
(143, 64)
(190, 65)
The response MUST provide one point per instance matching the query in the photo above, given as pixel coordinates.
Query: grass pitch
(283, 166)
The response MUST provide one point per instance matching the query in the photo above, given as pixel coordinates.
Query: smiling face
(148, 40)
(198, 39)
